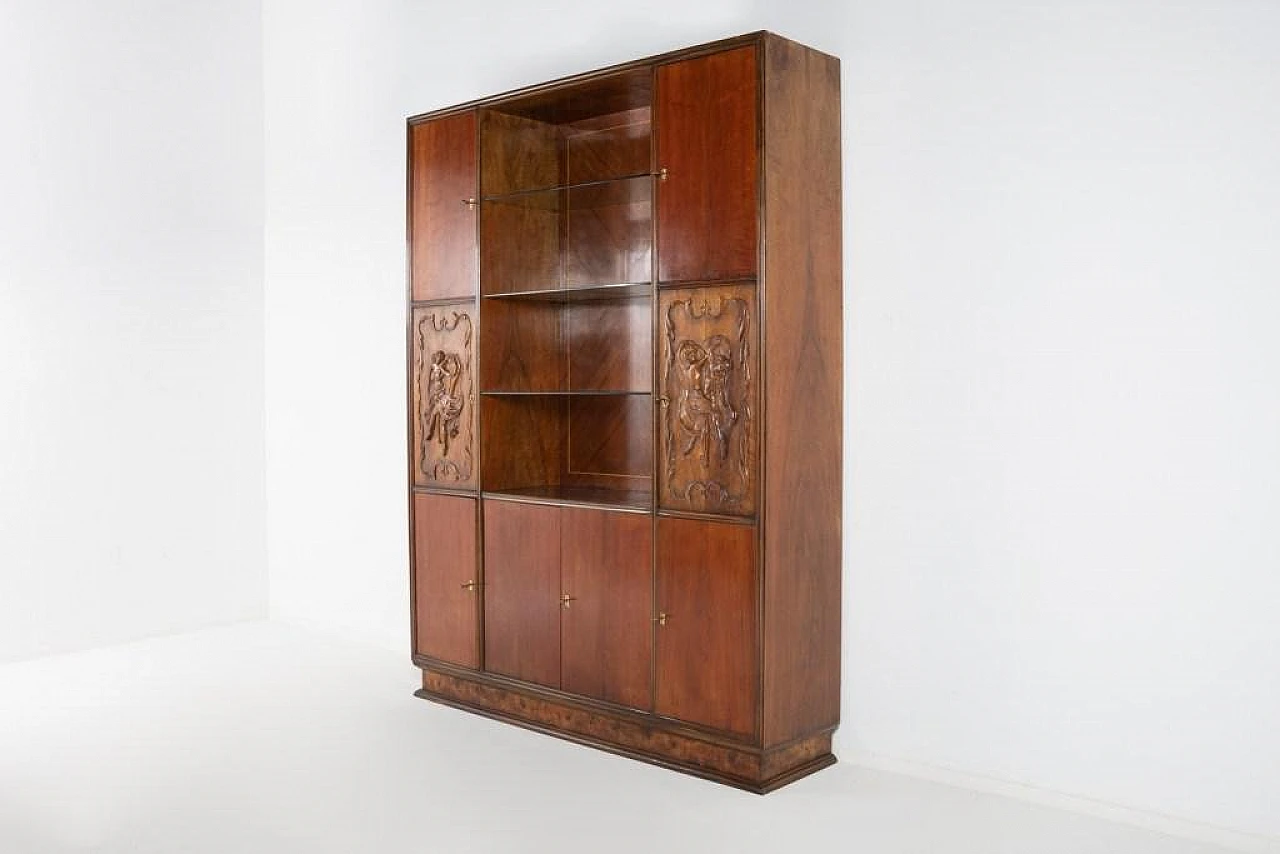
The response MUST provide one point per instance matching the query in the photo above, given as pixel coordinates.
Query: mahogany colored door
(522, 591)
(442, 227)
(706, 142)
(707, 651)
(606, 627)
(446, 595)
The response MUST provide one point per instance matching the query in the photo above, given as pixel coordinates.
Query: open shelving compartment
(566, 282)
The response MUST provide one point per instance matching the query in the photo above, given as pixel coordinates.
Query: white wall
(131, 448)
(1063, 377)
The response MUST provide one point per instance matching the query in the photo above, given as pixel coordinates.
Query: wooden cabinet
(625, 408)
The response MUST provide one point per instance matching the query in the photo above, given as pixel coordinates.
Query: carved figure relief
(444, 397)
(708, 441)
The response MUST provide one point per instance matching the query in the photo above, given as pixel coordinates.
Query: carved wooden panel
(708, 406)
(444, 396)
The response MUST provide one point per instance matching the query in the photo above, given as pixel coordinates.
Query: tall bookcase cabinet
(624, 348)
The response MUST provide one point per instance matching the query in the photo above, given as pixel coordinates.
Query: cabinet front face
(442, 174)
(708, 379)
(606, 625)
(706, 142)
(707, 666)
(522, 591)
(444, 396)
(446, 610)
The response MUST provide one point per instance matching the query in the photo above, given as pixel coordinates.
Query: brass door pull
(469, 585)
(565, 599)
(471, 203)
(661, 619)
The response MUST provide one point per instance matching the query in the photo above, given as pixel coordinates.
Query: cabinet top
(754, 38)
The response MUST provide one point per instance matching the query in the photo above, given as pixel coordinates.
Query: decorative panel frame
(709, 369)
(444, 396)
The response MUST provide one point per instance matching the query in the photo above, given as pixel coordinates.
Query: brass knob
(662, 174)
(565, 599)
(471, 203)
(661, 619)
(469, 585)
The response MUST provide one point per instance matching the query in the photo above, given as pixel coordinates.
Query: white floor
(269, 738)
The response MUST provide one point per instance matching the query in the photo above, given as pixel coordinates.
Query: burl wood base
(636, 736)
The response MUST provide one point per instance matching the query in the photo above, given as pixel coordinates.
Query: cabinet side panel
(802, 434)
(445, 598)
(442, 174)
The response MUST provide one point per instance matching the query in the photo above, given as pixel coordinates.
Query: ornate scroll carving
(708, 428)
(443, 397)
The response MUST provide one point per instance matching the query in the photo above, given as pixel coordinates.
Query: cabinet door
(443, 396)
(606, 628)
(708, 425)
(442, 229)
(707, 650)
(522, 591)
(445, 604)
(706, 129)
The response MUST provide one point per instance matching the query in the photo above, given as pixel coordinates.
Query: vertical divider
(476, 355)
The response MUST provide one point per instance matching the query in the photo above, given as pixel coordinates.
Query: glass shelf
(587, 293)
(601, 182)
(588, 496)
(566, 393)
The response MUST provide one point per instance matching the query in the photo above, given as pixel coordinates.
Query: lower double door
(570, 603)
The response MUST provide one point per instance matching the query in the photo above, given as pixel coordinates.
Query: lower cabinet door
(707, 651)
(446, 595)
(606, 629)
(522, 591)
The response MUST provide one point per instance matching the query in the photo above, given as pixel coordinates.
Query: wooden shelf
(580, 185)
(579, 393)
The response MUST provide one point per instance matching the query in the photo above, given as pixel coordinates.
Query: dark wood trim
(741, 766)
(705, 283)
(756, 37)
(439, 490)
(641, 717)
(706, 517)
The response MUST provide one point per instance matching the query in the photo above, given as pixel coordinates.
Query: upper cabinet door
(707, 143)
(442, 225)
(444, 396)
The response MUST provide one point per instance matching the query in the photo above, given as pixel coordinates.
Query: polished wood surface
(445, 600)
(518, 153)
(635, 736)
(609, 146)
(443, 396)
(442, 173)
(803, 394)
(694, 315)
(707, 665)
(609, 345)
(708, 417)
(523, 440)
(522, 591)
(706, 140)
(606, 636)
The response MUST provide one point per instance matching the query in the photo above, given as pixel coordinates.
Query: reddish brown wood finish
(706, 140)
(707, 667)
(522, 591)
(446, 603)
(443, 396)
(606, 636)
(636, 736)
(803, 396)
(442, 241)
(708, 419)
